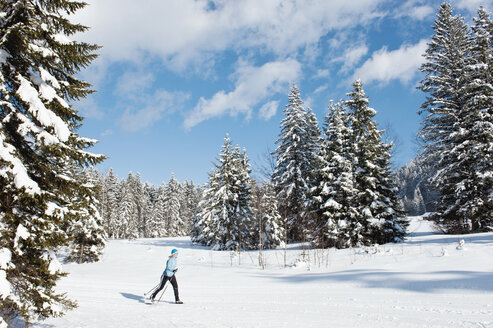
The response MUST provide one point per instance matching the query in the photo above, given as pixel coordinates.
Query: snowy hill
(425, 282)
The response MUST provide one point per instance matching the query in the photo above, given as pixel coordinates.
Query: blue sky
(173, 77)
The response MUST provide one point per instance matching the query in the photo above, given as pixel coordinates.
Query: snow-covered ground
(424, 282)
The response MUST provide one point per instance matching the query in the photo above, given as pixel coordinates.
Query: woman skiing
(169, 274)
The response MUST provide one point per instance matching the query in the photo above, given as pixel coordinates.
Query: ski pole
(152, 289)
(165, 287)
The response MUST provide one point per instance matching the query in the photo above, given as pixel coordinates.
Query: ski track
(424, 282)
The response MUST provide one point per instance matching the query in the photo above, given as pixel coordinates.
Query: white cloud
(322, 73)
(421, 12)
(268, 110)
(151, 107)
(401, 64)
(473, 5)
(252, 86)
(89, 108)
(106, 133)
(189, 31)
(351, 57)
(416, 9)
(130, 83)
(321, 88)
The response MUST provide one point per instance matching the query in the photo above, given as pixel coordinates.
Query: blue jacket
(171, 265)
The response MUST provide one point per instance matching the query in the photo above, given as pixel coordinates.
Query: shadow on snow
(430, 281)
(477, 238)
(141, 299)
(179, 243)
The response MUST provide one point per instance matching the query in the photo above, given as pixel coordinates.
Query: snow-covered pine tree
(196, 228)
(110, 202)
(157, 220)
(203, 230)
(174, 223)
(294, 160)
(38, 68)
(148, 200)
(226, 217)
(270, 228)
(127, 210)
(188, 204)
(467, 180)
(137, 188)
(332, 201)
(245, 221)
(85, 229)
(413, 180)
(378, 209)
(447, 57)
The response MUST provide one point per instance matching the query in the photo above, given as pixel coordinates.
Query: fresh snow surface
(425, 282)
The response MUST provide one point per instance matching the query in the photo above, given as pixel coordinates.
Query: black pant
(172, 280)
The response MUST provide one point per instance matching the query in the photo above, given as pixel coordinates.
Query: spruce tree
(242, 187)
(270, 228)
(413, 180)
(137, 188)
(174, 223)
(127, 218)
(38, 140)
(226, 217)
(203, 231)
(188, 205)
(294, 162)
(378, 209)
(150, 199)
(479, 117)
(158, 218)
(467, 180)
(447, 57)
(110, 203)
(333, 198)
(84, 226)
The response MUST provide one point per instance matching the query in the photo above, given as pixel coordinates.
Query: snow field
(424, 282)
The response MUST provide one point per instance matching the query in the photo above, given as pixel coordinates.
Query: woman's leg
(164, 278)
(175, 287)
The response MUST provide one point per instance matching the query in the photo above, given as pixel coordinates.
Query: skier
(169, 274)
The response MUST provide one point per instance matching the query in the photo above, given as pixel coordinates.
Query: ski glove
(175, 270)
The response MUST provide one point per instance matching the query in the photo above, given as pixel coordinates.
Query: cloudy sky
(174, 76)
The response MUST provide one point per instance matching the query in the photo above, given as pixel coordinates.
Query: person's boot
(178, 302)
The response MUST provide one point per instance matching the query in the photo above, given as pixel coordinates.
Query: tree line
(130, 208)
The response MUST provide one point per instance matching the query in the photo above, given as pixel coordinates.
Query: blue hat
(174, 251)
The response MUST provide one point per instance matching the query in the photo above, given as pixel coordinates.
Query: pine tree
(188, 205)
(158, 218)
(377, 206)
(332, 200)
(270, 228)
(127, 224)
(148, 199)
(137, 188)
(174, 223)
(226, 217)
(38, 140)
(85, 230)
(242, 187)
(466, 182)
(447, 57)
(413, 180)
(110, 194)
(203, 231)
(295, 160)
